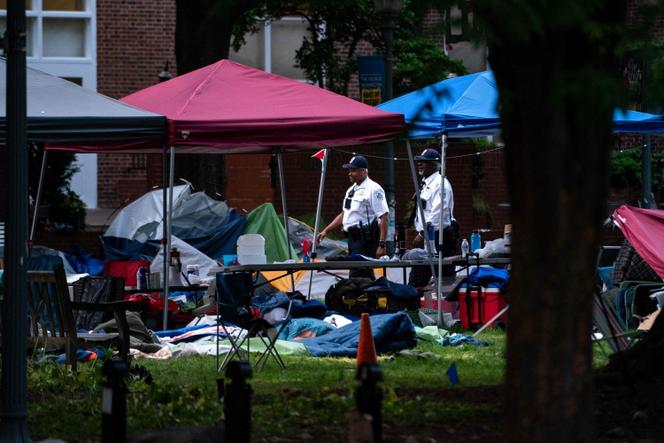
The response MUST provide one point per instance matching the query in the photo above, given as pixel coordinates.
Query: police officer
(364, 215)
(428, 167)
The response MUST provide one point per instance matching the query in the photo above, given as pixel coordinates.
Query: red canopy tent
(644, 229)
(227, 107)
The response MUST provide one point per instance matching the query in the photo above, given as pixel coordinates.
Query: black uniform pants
(420, 275)
(363, 240)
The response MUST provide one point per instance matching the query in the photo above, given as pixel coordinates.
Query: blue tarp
(489, 277)
(391, 332)
(83, 262)
(466, 107)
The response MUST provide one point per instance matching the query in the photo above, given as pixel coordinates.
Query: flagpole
(319, 207)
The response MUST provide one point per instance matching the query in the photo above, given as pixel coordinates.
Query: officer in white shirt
(428, 167)
(364, 216)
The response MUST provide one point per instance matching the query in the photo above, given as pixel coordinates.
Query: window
(61, 40)
(459, 22)
(61, 37)
(273, 47)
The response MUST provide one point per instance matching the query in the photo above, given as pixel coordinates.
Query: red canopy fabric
(234, 108)
(644, 229)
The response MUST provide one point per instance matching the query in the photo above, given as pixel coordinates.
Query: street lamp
(388, 11)
(165, 75)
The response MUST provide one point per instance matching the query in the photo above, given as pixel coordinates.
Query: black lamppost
(165, 74)
(13, 387)
(388, 11)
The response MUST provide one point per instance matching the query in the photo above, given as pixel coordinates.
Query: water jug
(475, 241)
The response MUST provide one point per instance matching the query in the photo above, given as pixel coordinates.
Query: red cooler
(491, 302)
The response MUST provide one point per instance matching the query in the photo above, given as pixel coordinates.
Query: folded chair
(607, 318)
(51, 319)
(234, 294)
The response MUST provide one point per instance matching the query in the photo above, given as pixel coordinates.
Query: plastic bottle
(397, 248)
(142, 278)
(431, 238)
(464, 248)
(475, 241)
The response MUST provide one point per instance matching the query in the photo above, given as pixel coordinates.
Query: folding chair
(234, 293)
(609, 320)
(96, 290)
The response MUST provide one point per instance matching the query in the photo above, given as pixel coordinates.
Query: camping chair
(234, 293)
(51, 318)
(606, 317)
(96, 290)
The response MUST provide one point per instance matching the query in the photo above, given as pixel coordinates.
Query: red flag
(320, 155)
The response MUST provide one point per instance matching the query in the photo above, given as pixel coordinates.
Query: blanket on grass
(391, 333)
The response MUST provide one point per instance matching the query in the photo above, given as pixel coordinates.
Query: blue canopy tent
(466, 106)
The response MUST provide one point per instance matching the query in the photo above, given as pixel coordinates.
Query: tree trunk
(558, 87)
(203, 33)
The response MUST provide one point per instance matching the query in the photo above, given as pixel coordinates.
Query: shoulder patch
(380, 195)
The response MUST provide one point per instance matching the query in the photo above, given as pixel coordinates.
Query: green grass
(312, 395)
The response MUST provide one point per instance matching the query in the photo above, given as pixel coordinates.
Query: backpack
(342, 297)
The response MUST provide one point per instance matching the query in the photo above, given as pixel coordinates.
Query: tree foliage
(66, 211)
(337, 30)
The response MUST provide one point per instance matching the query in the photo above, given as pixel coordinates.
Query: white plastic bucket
(250, 244)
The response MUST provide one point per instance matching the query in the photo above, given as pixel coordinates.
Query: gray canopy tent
(57, 111)
(61, 111)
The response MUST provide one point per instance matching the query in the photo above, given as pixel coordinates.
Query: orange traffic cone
(366, 350)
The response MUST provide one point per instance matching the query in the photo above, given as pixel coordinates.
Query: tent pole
(646, 174)
(418, 202)
(167, 255)
(164, 222)
(319, 206)
(440, 231)
(40, 187)
(284, 208)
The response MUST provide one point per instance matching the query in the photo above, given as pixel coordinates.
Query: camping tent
(207, 225)
(644, 229)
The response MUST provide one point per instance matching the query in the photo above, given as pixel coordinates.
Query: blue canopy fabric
(466, 106)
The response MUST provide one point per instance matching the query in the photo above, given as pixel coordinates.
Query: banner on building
(371, 69)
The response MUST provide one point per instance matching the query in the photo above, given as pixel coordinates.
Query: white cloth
(367, 204)
(337, 320)
(430, 196)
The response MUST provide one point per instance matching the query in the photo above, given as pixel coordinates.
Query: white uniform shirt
(366, 204)
(430, 196)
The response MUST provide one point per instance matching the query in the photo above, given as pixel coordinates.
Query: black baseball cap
(357, 162)
(428, 155)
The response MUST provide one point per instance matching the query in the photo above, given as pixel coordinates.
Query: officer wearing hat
(428, 167)
(364, 216)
